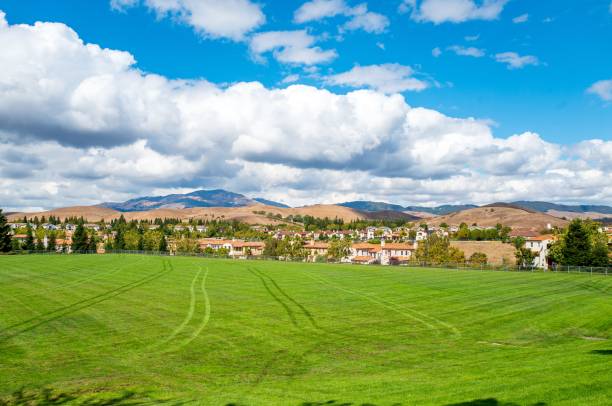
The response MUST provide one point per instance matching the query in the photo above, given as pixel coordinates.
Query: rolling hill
(254, 214)
(503, 214)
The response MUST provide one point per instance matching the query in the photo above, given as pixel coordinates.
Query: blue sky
(406, 101)
(572, 40)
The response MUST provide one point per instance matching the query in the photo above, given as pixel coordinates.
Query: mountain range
(225, 199)
(199, 198)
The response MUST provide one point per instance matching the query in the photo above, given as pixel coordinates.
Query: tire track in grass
(288, 310)
(374, 300)
(205, 319)
(80, 305)
(303, 309)
(188, 316)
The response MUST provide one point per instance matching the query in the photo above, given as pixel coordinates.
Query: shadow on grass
(602, 352)
(50, 397)
(490, 402)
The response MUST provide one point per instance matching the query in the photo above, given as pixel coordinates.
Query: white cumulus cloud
(602, 88)
(467, 51)
(454, 11)
(231, 19)
(386, 78)
(516, 61)
(293, 47)
(359, 17)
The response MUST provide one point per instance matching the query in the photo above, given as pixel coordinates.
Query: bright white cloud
(293, 47)
(362, 19)
(359, 16)
(523, 18)
(231, 19)
(454, 11)
(386, 78)
(467, 51)
(516, 61)
(603, 89)
(318, 9)
(79, 124)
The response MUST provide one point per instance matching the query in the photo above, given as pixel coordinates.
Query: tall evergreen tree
(577, 246)
(163, 244)
(28, 244)
(79, 238)
(92, 245)
(52, 242)
(5, 234)
(119, 240)
(39, 244)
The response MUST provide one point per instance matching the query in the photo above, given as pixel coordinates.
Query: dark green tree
(163, 244)
(79, 238)
(52, 242)
(599, 254)
(39, 245)
(119, 240)
(577, 247)
(28, 244)
(5, 234)
(92, 244)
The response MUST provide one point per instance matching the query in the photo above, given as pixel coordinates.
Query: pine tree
(577, 247)
(79, 238)
(51, 242)
(28, 245)
(93, 243)
(5, 234)
(163, 244)
(119, 240)
(39, 245)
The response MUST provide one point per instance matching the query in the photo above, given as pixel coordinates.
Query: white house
(539, 245)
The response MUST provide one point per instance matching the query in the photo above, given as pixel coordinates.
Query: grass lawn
(113, 329)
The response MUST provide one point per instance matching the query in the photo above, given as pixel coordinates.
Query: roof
(365, 246)
(317, 245)
(547, 237)
(214, 241)
(248, 244)
(398, 246)
(522, 233)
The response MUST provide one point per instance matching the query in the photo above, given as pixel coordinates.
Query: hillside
(508, 216)
(255, 214)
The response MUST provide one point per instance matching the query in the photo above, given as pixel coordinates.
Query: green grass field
(105, 330)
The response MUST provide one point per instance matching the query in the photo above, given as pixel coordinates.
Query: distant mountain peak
(197, 198)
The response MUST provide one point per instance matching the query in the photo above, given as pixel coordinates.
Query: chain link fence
(411, 264)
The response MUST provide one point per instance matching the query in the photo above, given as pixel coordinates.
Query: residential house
(395, 253)
(540, 245)
(364, 253)
(316, 249)
(244, 249)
